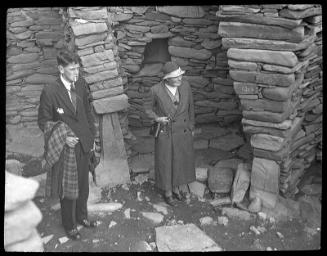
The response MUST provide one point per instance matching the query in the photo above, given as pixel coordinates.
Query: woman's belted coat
(174, 154)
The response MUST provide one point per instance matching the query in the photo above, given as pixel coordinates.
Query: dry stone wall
(193, 42)
(274, 56)
(33, 37)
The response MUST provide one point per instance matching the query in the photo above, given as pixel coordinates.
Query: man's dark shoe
(88, 223)
(73, 234)
(169, 200)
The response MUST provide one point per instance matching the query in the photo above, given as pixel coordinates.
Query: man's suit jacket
(56, 105)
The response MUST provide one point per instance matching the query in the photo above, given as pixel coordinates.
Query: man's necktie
(73, 95)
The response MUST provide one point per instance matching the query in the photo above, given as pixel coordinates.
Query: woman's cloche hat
(171, 69)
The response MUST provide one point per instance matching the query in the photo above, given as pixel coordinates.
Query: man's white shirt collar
(65, 82)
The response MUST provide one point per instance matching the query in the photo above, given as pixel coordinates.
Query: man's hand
(71, 141)
(162, 119)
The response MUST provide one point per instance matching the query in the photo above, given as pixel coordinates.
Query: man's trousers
(73, 211)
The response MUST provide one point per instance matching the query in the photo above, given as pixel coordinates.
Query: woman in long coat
(172, 106)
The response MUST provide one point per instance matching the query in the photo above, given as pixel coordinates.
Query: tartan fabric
(55, 134)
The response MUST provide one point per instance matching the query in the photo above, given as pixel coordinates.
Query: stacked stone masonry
(88, 33)
(33, 37)
(274, 56)
(192, 42)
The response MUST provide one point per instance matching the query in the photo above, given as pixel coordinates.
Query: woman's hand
(71, 141)
(162, 119)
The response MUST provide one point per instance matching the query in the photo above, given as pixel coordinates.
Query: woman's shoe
(88, 223)
(73, 234)
(169, 200)
(178, 196)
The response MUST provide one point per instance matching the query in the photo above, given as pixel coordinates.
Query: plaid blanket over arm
(55, 134)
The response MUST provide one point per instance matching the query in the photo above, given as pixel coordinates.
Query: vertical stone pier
(88, 32)
(269, 50)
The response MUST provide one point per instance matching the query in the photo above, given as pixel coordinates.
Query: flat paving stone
(178, 238)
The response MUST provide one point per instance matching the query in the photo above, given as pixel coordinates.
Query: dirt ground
(127, 233)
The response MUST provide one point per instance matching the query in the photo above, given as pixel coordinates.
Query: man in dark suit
(67, 101)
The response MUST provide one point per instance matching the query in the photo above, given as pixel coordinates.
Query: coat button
(184, 130)
(184, 120)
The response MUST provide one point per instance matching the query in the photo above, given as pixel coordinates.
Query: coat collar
(171, 110)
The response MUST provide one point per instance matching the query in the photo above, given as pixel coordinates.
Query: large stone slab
(184, 238)
(268, 142)
(102, 13)
(237, 29)
(229, 163)
(113, 167)
(110, 105)
(88, 28)
(265, 175)
(275, 45)
(191, 53)
(97, 58)
(300, 14)
(262, 20)
(81, 42)
(23, 58)
(283, 80)
(101, 76)
(282, 58)
(110, 92)
(182, 11)
(220, 179)
(267, 116)
(227, 143)
(180, 42)
(266, 105)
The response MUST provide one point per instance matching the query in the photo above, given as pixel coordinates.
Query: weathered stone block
(267, 116)
(86, 40)
(23, 58)
(89, 15)
(88, 28)
(259, 19)
(137, 28)
(237, 29)
(112, 104)
(183, 11)
(189, 53)
(197, 188)
(268, 142)
(220, 179)
(282, 58)
(266, 105)
(97, 58)
(265, 175)
(41, 79)
(202, 22)
(107, 92)
(275, 45)
(227, 143)
(183, 238)
(283, 125)
(300, 14)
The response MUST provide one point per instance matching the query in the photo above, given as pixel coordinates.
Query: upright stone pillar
(89, 34)
(269, 50)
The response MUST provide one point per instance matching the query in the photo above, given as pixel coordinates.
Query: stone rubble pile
(21, 216)
(186, 35)
(272, 58)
